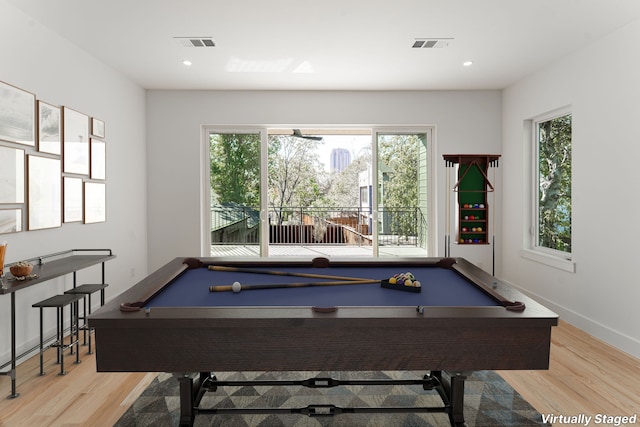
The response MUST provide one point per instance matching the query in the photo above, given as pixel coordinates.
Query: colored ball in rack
(408, 282)
(475, 205)
(417, 284)
(466, 217)
(392, 280)
(472, 217)
(464, 228)
(481, 205)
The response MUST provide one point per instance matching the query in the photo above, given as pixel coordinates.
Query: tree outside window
(553, 140)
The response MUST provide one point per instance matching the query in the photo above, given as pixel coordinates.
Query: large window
(552, 184)
(283, 191)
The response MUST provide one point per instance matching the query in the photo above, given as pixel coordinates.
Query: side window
(552, 184)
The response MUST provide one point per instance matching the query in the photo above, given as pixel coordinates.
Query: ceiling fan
(298, 134)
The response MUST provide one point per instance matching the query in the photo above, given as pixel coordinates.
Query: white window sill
(550, 260)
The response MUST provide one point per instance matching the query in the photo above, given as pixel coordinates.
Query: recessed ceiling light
(467, 63)
(186, 62)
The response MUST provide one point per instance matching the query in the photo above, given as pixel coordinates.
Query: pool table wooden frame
(205, 339)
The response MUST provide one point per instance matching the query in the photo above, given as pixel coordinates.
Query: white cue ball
(236, 287)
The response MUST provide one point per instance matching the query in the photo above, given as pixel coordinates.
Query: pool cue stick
(283, 273)
(493, 226)
(447, 238)
(227, 288)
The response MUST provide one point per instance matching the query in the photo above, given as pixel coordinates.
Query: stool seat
(59, 302)
(87, 289)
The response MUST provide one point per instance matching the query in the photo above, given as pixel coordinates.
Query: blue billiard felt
(440, 287)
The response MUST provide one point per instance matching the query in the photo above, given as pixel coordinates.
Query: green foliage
(235, 168)
(294, 173)
(343, 187)
(554, 195)
(398, 159)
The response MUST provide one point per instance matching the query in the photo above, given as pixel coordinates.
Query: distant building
(340, 159)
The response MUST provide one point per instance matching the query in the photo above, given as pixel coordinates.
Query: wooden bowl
(21, 270)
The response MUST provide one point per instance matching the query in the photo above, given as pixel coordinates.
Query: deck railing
(346, 226)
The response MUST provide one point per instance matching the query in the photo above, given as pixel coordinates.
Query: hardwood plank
(586, 376)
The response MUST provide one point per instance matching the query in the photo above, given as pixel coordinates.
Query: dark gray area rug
(489, 401)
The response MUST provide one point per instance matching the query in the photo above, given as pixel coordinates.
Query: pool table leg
(454, 388)
(190, 395)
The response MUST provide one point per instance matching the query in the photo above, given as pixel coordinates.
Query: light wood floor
(586, 376)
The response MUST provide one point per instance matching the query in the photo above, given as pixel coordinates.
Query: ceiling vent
(195, 41)
(431, 43)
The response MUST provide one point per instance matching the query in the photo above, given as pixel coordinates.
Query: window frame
(263, 130)
(533, 250)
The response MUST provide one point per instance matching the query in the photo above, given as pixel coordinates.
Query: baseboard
(610, 336)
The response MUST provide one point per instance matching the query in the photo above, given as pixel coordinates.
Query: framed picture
(44, 192)
(95, 209)
(11, 175)
(98, 159)
(17, 115)
(72, 199)
(97, 128)
(10, 220)
(76, 141)
(49, 132)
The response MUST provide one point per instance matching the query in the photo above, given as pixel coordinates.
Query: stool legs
(59, 344)
(86, 325)
(85, 291)
(42, 343)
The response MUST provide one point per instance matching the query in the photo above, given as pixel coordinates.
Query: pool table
(460, 320)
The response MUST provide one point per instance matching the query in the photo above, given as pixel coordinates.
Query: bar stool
(59, 302)
(85, 292)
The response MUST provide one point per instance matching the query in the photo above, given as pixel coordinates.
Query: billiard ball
(481, 205)
(236, 287)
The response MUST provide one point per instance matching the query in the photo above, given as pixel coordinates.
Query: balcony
(343, 231)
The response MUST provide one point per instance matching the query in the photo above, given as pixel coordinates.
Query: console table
(47, 267)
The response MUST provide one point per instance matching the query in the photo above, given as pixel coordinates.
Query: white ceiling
(330, 44)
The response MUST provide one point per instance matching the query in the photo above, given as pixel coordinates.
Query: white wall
(466, 122)
(57, 72)
(602, 84)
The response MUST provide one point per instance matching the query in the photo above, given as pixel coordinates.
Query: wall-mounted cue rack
(472, 188)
